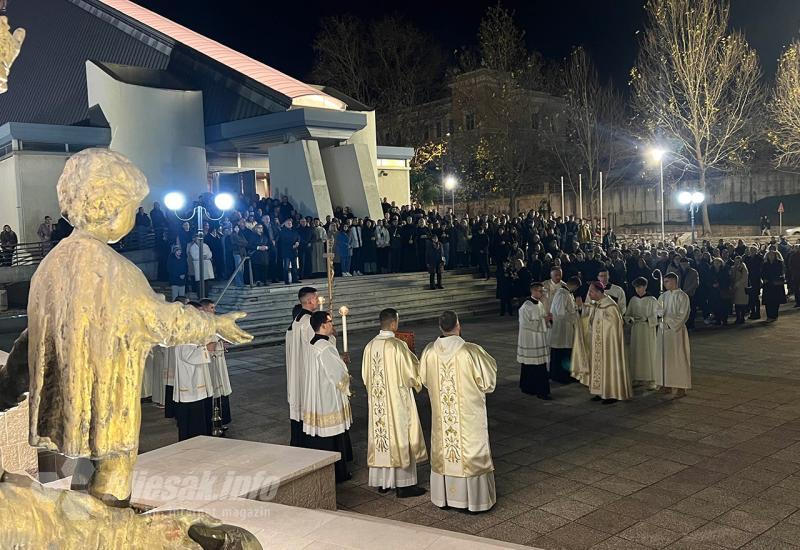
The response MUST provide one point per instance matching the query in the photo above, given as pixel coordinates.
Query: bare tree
(589, 135)
(389, 64)
(696, 85)
(501, 42)
(785, 109)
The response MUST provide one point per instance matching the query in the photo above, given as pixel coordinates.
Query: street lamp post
(693, 199)
(450, 182)
(658, 156)
(175, 201)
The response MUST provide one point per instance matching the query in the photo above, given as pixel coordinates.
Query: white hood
(446, 347)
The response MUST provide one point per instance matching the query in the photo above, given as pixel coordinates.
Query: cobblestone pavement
(719, 468)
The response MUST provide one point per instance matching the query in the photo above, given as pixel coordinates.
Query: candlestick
(344, 311)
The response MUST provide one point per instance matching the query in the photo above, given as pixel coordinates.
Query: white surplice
(674, 370)
(192, 374)
(532, 346)
(298, 348)
(326, 400)
(160, 356)
(147, 377)
(562, 331)
(642, 315)
(549, 289)
(221, 382)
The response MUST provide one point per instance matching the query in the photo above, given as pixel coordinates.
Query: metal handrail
(23, 254)
(249, 262)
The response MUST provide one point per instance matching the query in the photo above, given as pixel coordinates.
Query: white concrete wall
(395, 185)
(351, 179)
(9, 205)
(161, 131)
(296, 170)
(38, 175)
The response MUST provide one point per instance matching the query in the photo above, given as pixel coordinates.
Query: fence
(32, 253)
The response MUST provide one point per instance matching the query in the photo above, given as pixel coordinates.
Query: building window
(438, 129)
(450, 126)
(469, 121)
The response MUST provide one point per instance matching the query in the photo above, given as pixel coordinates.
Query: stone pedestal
(15, 453)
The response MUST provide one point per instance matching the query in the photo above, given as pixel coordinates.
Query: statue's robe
(673, 341)
(87, 347)
(395, 443)
(458, 376)
(598, 354)
(642, 315)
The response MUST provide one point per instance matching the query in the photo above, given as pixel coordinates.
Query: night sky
(281, 33)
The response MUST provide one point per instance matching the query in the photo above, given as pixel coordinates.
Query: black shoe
(440, 287)
(754, 317)
(597, 398)
(408, 492)
(609, 401)
(432, 288)
(383, 491)
(545, 397)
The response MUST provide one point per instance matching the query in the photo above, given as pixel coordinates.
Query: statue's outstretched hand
(229, 330)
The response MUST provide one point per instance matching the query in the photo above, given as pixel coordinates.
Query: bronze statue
(92, 319)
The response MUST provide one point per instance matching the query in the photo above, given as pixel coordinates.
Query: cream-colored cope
(10, 46)
(93, 318)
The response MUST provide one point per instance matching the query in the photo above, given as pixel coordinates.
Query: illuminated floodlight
(450, 183)
(698, 197)
(684, 197)
(175, 201)
(224, 201)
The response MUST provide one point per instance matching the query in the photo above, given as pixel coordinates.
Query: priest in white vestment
(598, 354)
(562, 331)
(298, 348)
(673, 355)
(458, 376)
(533, 350)
(642, 315)
(326, 400)
(193, 391)
(395, 443)
(615, 292)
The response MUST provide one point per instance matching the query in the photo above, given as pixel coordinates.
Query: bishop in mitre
(458, 376)
(562, 331)
(673, 363)
(395, 444)
(92, 320)
(326, 401)
(642, 315)
(298, 349)
(598, 355)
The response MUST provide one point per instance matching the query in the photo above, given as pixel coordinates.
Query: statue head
(99, 192)
(10, 45)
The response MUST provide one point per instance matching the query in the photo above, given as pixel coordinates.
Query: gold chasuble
(391, 374)
(458, 376)
(598, 354)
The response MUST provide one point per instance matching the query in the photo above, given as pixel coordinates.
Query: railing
(239, 267)
(24, 254)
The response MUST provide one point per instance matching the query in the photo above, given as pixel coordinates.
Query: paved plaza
(719, 468)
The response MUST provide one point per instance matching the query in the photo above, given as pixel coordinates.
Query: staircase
(269, 309)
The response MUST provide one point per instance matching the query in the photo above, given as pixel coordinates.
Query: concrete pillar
(296, 170)
(352, 179)
(161, 131)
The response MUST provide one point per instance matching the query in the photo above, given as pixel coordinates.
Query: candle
(343, 311)
(321, 302)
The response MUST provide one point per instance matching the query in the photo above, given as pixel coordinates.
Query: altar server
(642, 315)
(298, 345)
(458, 376)
(160, 354)
(221, 382)
(326, 401)
(562, 331)
(395, 444)
(533, 350)
(616, 293)
(598, 355)
(673, 364)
